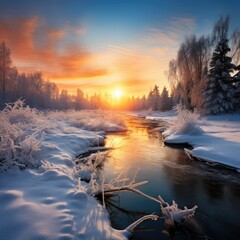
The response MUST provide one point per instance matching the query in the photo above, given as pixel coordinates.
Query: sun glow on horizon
(117, 93)
(117, 97)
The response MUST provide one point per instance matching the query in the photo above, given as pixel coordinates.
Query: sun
(117, 93)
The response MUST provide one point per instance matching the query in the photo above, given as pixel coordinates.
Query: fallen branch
(131, 227)
(174, 213)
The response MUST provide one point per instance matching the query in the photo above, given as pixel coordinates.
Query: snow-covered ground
(42, 194)
(218, 140)
(50, 202)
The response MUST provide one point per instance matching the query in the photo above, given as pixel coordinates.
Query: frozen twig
(174, 213)
(131, 227)
(103, 200)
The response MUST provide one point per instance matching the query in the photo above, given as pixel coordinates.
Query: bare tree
(187, 74)
(5, 66)
(172, 74)
(235, 46)
(220, 30)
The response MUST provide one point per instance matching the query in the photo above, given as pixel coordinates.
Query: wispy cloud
(166, 40)
(183, 23)
(34, 45)
(60, 54)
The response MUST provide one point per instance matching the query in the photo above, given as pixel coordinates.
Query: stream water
(172, 175)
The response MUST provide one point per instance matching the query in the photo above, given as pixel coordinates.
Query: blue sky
(112, 41)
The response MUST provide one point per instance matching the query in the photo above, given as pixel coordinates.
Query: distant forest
(205, 75)
(44, 94)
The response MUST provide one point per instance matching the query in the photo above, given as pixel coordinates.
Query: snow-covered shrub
(88, 166)
(98, 121)
(92, 120)
(27, 147)
(19, 113)
(187, 122)
(60, 169)
(19, 136)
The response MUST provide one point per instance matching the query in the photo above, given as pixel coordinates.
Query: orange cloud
(55, 35)
(35, 46)
(18, 35)
(61, 57)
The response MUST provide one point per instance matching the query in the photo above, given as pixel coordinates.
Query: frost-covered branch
(88, 166)
(174, 213)
(132, 226)
(144, 195)
(121, 183)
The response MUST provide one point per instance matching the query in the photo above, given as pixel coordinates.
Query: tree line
(31, 87)
(44, 94)
(205, 75)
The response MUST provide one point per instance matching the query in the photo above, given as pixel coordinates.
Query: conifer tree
(154, 99)
(165, 100)
(219, 93)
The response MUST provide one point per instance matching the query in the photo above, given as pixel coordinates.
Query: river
(172, 175)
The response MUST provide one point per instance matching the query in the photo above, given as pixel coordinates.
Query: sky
(101, 45)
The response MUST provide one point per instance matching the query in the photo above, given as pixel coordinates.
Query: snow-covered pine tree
(154, 99)
(165, 100)
(150, 99)
(219, 95)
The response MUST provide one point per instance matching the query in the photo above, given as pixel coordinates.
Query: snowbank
(49, 202)
(168, 116)
(92, 120)
(219, 141)
(43, 194)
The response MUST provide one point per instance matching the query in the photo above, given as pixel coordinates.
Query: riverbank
(219, 141)
(41, 189)
(170, 173)
(43, 197)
